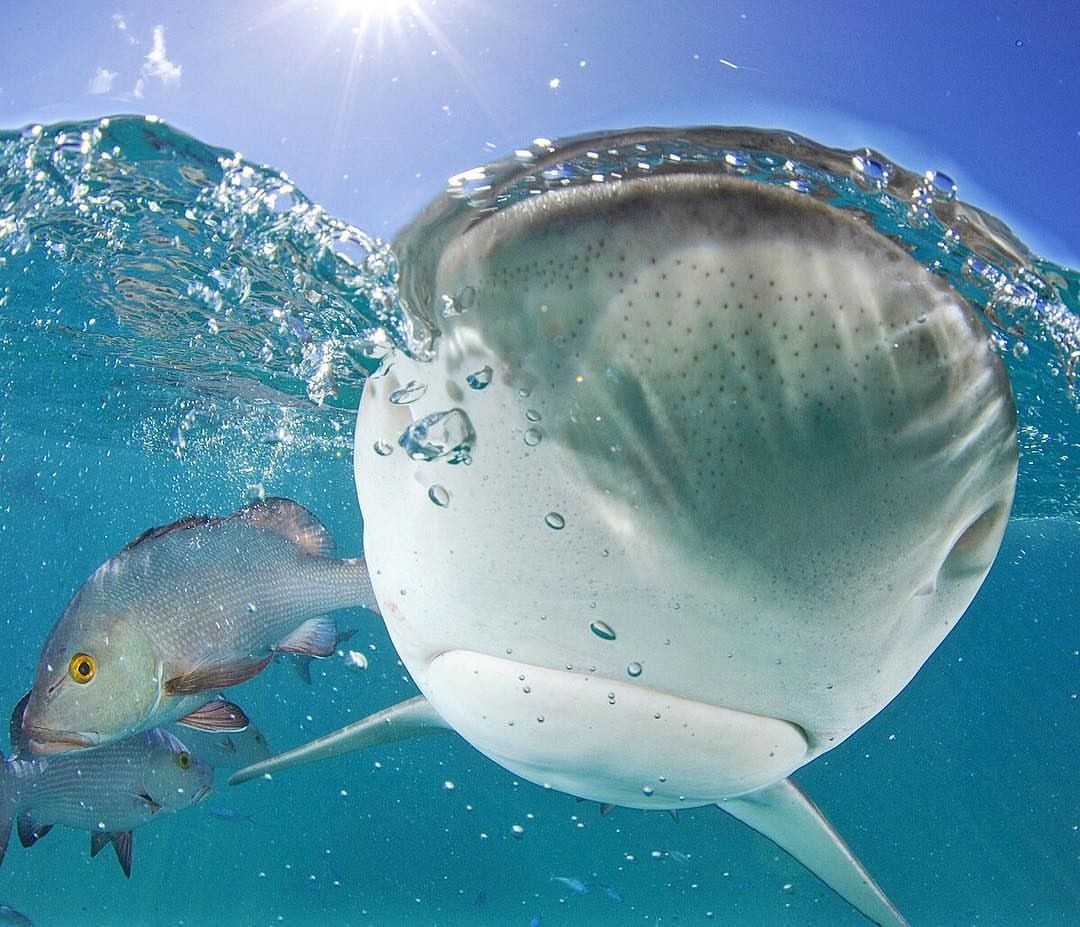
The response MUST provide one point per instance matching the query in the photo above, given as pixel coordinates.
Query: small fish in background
(225, 750)
(231, 814)
(108, 791)
(683, 859)
(535, 921)
(184, 611)
(9, 917)
(575, 885)
(608, 891)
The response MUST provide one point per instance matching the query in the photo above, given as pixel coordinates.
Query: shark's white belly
(740, 467)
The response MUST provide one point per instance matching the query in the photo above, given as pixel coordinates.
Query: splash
(162, 290)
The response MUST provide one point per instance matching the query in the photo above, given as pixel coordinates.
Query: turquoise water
(183, 331)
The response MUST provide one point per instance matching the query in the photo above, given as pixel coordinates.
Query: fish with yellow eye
(107, 791)
(182, 612)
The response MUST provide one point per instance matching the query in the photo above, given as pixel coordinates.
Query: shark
(699, 473)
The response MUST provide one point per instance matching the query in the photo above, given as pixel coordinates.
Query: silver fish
(108, 791)
(13, 918)
(225, 749)
(184, 611)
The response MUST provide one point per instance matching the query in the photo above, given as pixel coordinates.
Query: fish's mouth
(44, 741)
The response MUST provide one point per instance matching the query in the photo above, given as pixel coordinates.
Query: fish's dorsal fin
(181, 524)
(121, 841)
(30, 832)
(411, 718)
(789, 819)
(291, 521)
(20, 743)
(216, 715)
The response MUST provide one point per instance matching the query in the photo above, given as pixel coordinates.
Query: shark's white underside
(781, 453)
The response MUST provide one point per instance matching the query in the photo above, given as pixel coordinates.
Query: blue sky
(370, 105)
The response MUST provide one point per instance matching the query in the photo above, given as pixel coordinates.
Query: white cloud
(102, 81)
(120, 24)
(157, 63)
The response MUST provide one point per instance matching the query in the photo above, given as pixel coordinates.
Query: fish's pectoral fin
(412, 718)
(316, 637)
(789, 819)
(149, 801)
(30, 832)
(20, 740)
(217, 715)
(206, 676)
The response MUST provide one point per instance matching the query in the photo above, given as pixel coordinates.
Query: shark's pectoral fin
(786, 816)
(412, 718)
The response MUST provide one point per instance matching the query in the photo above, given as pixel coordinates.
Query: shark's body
(741, 465)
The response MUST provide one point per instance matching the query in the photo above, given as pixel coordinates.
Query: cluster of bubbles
(178, 275)
(188, 269)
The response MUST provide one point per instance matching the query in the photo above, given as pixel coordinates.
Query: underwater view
(630, 400)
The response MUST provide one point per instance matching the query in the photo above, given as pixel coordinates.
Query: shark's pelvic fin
(787, 817)
(412, 718)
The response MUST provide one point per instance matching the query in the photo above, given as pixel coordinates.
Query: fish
(608, 891)
(12, 918)
(575, 885)
(225, 749)
(231, 814)
(738, 463)
(184, 611)
(107, 791)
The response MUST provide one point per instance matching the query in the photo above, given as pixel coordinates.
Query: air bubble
(602, 630)
(480, 379)
(410, 392)
(555, 520)
(459, 303)
(633, 669)
(942, 186)
(873, 170)
(532, 415)
(533, 437)
(1020, 350)
(447, 435)
(646, 790)
(383, 448)
(439, 495)
(517, 831)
